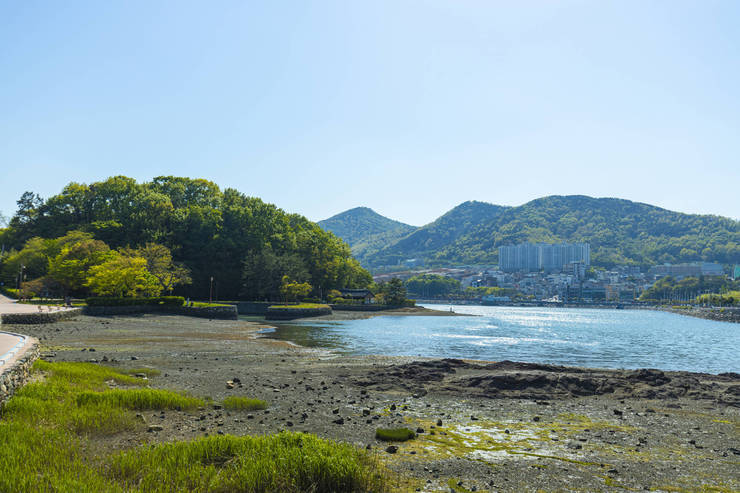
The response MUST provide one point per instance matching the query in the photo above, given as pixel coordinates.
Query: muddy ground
(482, 426)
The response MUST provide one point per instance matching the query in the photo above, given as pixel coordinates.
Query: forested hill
(619, 231)
(357, 225)
(245, 244)
(426, 241)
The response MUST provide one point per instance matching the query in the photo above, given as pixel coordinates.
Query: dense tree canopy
(213, 233)
(430, 285)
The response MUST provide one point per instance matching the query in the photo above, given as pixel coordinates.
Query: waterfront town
(562, 273)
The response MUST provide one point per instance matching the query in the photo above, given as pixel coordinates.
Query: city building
(529, 257)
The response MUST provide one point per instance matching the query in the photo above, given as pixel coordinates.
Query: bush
(244, 404)
(394, 434)
(115, 301)
(310, 300)
(9, 292)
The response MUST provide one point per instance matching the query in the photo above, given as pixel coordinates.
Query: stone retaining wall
(720, 314)
(293, 313)
(364, 308)
(211, 312)
(255, 307)
(40, 317)
(17, 374)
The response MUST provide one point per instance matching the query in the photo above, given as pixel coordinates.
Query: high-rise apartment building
(531, 257)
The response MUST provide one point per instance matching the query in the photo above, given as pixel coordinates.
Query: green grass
(244, 404)
(48, 427)
(201, 304)
(149, 372)
(139, 399)
(394, 434)
(299, 306)
(286, 462)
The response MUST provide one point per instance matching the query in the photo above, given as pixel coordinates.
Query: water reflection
(581, 337)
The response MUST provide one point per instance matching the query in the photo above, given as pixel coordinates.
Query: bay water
(598, 338)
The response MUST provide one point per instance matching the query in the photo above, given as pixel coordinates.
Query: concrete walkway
(13, 346)
(8, 305)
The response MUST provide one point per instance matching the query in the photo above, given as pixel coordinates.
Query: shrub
(310, 300)
(394, 434)
(116, 301)
(244, 404)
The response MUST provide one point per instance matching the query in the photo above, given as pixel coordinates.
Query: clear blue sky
(406, 107)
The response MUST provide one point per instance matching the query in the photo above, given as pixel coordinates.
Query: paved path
(8, 305)
(12, 346)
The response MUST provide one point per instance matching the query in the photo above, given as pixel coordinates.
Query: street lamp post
(210, 293)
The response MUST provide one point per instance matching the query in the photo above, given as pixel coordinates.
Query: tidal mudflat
(480, 426)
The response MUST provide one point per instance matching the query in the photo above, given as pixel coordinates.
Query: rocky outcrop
(507, 379)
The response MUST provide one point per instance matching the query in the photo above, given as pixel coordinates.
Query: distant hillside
(427, 241)
(365, 230)
(619, 231)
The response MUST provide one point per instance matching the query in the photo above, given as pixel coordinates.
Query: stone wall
(364, 308)
(728, 314)
(18, 373)
(212, 312)
(255, 307)
(293, 313)
(40, 317)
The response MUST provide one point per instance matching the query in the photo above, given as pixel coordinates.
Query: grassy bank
(49, 428)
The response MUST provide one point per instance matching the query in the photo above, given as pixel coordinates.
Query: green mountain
(619, 231)
(427, 241)
(365, 231)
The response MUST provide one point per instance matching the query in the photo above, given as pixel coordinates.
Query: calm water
(567, 336)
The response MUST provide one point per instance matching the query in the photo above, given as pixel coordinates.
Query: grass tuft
(244, 404)
(394, 434)
(286, 462)
(139, 399)
(149, 372)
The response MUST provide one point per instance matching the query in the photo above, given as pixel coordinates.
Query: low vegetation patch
(203, 304)
(285, 462)
(139, 399)
(46, 428)
(394, 434)
(135, 301)
(149, 372)
(244, 404)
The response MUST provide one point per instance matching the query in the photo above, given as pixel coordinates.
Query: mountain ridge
(620, 231)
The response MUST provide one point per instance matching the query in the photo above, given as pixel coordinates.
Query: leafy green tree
(160, 264)
(71, 266)
(429, 285)
(394, 292)
(123, 276)
(292, 290)
(263, 272)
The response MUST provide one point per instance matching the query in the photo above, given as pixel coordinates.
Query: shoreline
(493, 422)
(719, 314)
